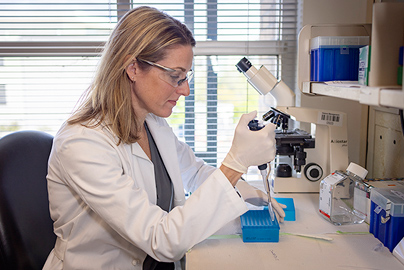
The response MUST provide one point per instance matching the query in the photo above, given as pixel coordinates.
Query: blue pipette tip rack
(257, 226)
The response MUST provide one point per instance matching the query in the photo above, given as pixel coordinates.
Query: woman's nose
(183, 89)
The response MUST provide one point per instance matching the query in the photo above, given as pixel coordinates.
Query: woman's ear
(131, 68)
(131, 71)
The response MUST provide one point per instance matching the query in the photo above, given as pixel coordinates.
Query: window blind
(49, 50)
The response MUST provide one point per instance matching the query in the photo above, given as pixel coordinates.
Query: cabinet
(387, 35)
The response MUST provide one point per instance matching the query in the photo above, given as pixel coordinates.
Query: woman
(117, 173)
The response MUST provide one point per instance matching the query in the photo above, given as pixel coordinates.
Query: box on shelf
(335, 57)
(387, 215)
(364, 65)
(257, 226)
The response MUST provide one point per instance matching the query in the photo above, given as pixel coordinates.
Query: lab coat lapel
(138, 151)
(144, 169)
(165, 141)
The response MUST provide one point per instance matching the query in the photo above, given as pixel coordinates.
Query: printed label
(325, 193)
(330, 119)
(333, 178)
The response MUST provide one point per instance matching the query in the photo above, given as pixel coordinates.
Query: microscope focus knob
(313, 172)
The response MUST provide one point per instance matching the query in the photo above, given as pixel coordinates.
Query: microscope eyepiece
(243, 65)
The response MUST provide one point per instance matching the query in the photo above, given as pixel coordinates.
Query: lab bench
(351, 247)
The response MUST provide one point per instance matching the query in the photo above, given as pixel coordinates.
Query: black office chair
(26, 229)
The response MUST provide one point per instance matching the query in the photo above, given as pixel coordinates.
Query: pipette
(265, 176)
(256, 125)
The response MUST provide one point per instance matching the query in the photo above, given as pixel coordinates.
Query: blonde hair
(143, 32)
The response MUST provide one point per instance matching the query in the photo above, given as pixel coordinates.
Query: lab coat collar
(138, 151)
(163, 138)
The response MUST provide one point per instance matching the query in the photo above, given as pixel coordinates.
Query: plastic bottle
(337, 196)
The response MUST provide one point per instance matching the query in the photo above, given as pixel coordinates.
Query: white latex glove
(257, 197)
(250, 147)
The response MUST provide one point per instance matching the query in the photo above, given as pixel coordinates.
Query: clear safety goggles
(174, 77)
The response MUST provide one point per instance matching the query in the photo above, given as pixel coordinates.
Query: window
(49, 50)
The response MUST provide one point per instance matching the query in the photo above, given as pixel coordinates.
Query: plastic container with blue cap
(335, 57)
(387, 215)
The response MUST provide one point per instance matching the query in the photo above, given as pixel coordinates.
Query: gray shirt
(164, 186)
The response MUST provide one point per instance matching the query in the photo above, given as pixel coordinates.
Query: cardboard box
(364, 65)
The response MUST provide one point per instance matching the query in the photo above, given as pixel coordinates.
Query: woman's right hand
(250, 148)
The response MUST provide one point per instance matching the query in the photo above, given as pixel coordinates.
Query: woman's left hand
(257, 197)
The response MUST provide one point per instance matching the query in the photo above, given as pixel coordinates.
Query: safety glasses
(174, 77)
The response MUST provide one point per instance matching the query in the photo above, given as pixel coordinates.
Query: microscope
(302, 158)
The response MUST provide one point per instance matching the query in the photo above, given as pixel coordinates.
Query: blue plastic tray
(290, 213)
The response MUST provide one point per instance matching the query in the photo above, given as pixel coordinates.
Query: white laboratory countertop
(345, 251)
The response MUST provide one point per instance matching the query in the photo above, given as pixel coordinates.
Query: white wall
(337, 11)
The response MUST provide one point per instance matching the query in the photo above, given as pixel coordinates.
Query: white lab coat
(103, 200)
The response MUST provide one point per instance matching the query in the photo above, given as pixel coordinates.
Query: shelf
(375, 96)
